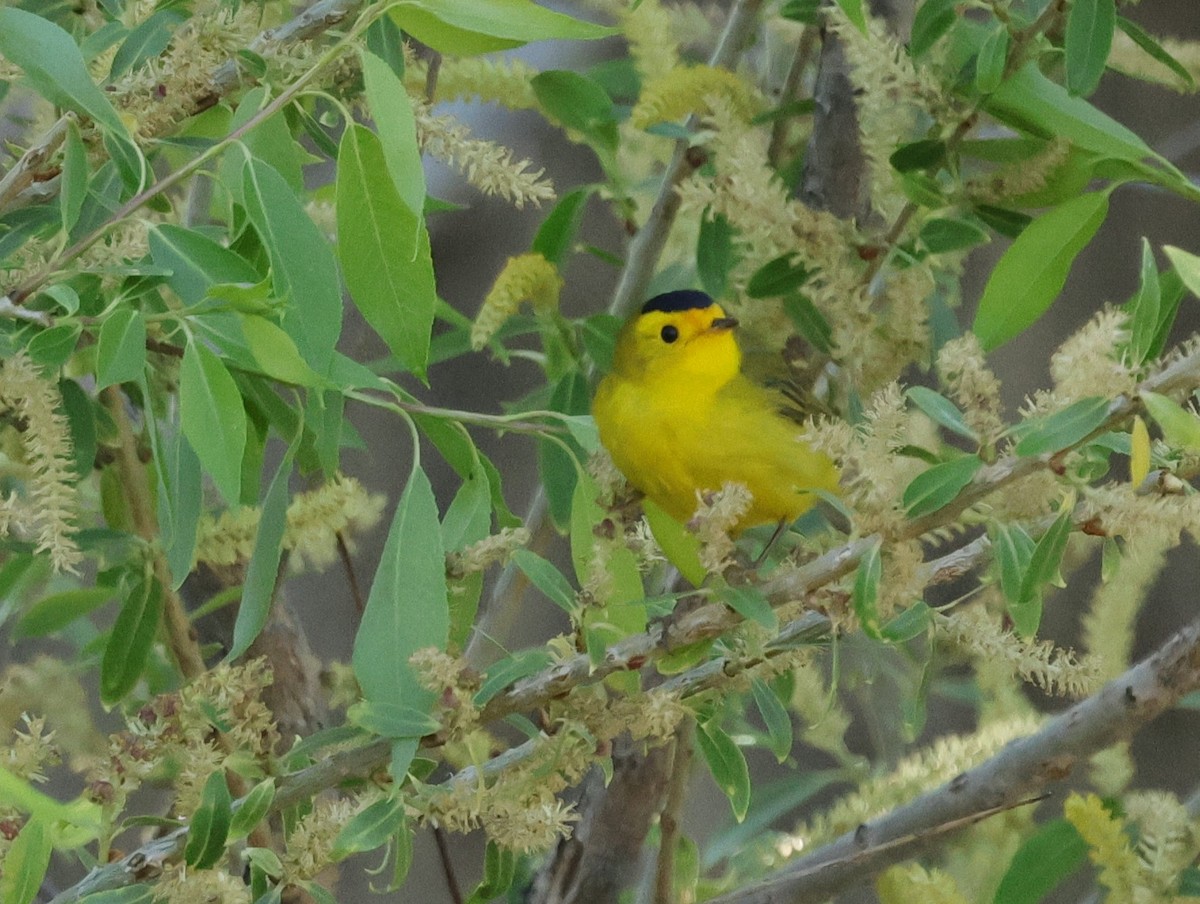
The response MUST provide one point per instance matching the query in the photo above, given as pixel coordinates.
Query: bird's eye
(669, 333)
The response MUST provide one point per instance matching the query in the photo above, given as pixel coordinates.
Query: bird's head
(682, 335)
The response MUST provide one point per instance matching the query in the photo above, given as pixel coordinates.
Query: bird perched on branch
(679, 417)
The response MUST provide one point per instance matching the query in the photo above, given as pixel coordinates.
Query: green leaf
(121, 349)
(482, 26)
(866, 589)
(1032, 271)
(1043, 568)
(52, 347)
(993, 56)
(213, 419)
(556, 236)
(130, 640)
(509, 669)
(926, 154)
(1144, 311)
(407, 607)
(780, 276)
(196, 262)
(1156, 50)
(715, 255)
(209, 825)
(270, 141)
(393, 115)
(577, 102)
(276, 353)
(854, 12)
(370, 828)
(1187, 265)
(941, 411)
(252, 809)
(391, 720)
(74, 184)
(81, 417)
(677, 543)
(180, 500)
(303, 268)
(557, 466)
(54, 612)
(385, 40)
(499, 870)
(26, 862)
(63, 296)
(1061, 429)
(1013, 551)
(1088, 40)
(912, 622)
(131, 894)
(941, 235)
(775, 716)
(933, 19)
(55, 67)
(750, 603)
(940, 485)
(1047, 857)
(1180, 427)
(148, 39)
(809, 321)
(727, 765)
(262, 574)
(384, 250)
(546, 578)
(1010, 223)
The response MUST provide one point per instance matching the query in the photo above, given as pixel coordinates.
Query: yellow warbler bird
(679, 417)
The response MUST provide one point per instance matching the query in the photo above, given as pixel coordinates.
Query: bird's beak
(723, 323)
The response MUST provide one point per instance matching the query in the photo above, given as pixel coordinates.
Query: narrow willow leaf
(940, 485)
(1139, 452)
(148, 39)
(54, 612)
(1047, 557)
(407, 607)
(468, 520)
(509, 669)
(81, 418)
(941, 410)
(866, 589)
(482, 26)
(1187, 265)
(393, 115)
(1088, 40)
(775, 717)
(750, 603)
(993, 56)
(74, 183)
(678, 544)
(25, 863)
(121, 348)
(558, 467)
(303, 269)
(252, 809)
(130, 640)
(1144, 313)
(384, 250)
(208, 829)
(370, 828)
(51, 348)
(196, 262)
(1180, 427)
(180, 500)
(1061, 429)
(727, 765)
(933, 19)
(781, 276)
(714, 254)
(276, 353)
(1047, 857)
(55, 67)
(556, 236)
(1143, 40)
(942, 234)
(1013, 550)
(912, 622)
(1032, 271)
(855, 13)
(546, 578)
(213, 418)
(262, 574)
(579, 103)
(391, 720)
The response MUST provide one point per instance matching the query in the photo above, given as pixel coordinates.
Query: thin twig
(672, 812)
(443, 846)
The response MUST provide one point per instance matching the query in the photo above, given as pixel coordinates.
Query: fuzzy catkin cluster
(46, 509)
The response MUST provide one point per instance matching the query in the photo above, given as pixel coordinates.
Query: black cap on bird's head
(678, 300)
